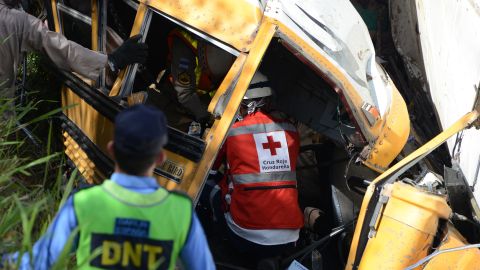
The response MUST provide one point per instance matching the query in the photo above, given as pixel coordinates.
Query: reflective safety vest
(261, 154)
(203, 79)
(122, 229)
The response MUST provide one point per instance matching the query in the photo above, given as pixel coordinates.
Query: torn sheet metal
(332, 36)
(335, 28)
(444, 58)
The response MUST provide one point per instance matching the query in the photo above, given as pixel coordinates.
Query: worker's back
(132, 229)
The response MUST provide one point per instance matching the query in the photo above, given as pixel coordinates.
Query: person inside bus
(197, 69)
(259, 189)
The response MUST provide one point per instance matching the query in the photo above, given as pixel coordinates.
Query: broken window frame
(131, 71)
(99, 38)
(100, 28)
(223, 90)
(231, 89)
(61, 7)
(141, 23)
(131, 3)
(214, 139)
(98, 13)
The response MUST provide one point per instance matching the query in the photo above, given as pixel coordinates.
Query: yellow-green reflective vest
(121, 229)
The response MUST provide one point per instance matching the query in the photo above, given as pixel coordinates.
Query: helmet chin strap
(253, 105)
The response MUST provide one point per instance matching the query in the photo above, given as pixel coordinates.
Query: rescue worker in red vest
(260, 187)
(197, 67)
(130, 219)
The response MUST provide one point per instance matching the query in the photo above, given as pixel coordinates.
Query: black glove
(128, 53)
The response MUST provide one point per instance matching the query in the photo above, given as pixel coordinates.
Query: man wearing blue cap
(129, 221)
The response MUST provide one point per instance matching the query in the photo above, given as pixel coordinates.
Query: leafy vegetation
(27, 202)
(33, 180)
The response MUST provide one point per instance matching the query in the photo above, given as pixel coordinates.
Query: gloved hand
(128, 53)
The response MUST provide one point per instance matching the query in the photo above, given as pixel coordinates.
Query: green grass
(34, 182)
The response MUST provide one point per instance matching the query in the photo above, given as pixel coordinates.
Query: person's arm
(48, 248)
(195, 253)
(66, 54)
(184, 80)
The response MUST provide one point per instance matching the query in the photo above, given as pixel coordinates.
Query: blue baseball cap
(140, 130)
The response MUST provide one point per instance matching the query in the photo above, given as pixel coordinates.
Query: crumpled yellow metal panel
(406, 228)
(388, 136)
(392, 137)
(232, 22)
(464, 122)
(462, 259)
(219, 130)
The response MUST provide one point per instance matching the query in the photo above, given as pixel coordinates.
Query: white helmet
(259, 87)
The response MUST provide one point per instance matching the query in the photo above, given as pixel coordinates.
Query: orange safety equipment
(203, 77)
(261, 154)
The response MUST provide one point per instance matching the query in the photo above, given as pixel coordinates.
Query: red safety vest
(262, 153)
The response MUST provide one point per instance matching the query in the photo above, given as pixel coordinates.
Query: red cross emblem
(272, 145)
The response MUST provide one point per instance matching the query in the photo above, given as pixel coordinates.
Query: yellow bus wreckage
(352, 119)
